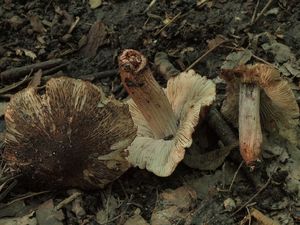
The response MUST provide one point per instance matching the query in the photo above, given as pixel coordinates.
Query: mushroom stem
(146, 93)
(250, 133)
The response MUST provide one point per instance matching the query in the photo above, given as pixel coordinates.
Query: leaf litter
(37, 32)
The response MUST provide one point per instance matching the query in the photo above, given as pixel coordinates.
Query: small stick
(235, 175)
(18, 72)
(55, 68)
(14, 85)
(24, 197)
(254, 13)
(150, 6)
(8, 189)
(204, 55)
(254, 196)
(168, 24)
(73, 25)
(262, 11)
(67, 200)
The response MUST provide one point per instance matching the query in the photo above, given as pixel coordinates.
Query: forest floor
(83, 39)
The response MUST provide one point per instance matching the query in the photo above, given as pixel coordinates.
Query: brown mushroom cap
(71, 136)
(278, 103)
(189, 95)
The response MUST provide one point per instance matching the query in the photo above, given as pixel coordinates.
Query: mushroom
(70, 136)
(166, 118)
(256, 94)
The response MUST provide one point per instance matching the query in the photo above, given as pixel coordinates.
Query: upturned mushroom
(70, 136)
(256, 94)
(166, 118)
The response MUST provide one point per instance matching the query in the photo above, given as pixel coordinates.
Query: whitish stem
(250, 134)
(147, 94)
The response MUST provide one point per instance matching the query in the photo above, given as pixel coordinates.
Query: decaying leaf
(213, 43)
(96, 38)
(46, 214)
(136, 220)
(95, 3)
(235, 59)
(109, 211)
(29, 53)
(174, 206)
(25, 220)
(37, 25)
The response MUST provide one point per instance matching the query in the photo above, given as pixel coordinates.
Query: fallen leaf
(95, 3)
(15, 22)
(213, 43)
(30, 54)
(109, 211)
(174, 206)
(47, 215)
(136, 220)
(237, 58)
(37, 25)
(96, 38)
(25, 220)
(281, 52)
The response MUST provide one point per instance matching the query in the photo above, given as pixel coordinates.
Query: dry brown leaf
(213, 43)
(37, 25)
(174, 206)
(96, 38)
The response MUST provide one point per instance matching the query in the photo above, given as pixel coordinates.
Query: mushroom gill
(70, 136)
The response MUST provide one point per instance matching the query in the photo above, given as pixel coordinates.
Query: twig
(67, 200)
(55, 68)
(262, 60)
(262, 11)
(14, 85)
(168, 24)
(235, 175)
(254, 196)
(205, 54)
(18, 72)
(24, 197)
(73, 25)
(8, 189)
(254, 13)
(150, 6)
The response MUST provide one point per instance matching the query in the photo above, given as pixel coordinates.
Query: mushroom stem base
(250, 134)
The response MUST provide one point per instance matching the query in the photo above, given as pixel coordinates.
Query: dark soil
(127, 25)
